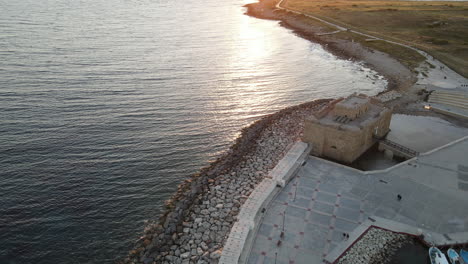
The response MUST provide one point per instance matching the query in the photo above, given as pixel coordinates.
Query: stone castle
(347, 127)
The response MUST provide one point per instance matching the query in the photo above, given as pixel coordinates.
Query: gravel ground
(376, 246)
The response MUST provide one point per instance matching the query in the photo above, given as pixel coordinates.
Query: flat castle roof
(373, 113)
(353, 101)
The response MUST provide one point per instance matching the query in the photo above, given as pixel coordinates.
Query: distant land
(437, 27)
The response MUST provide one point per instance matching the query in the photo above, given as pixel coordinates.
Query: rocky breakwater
(375, 246)
(388, 96)
(199, 217)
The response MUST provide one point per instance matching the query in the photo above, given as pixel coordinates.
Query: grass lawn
(440, 28)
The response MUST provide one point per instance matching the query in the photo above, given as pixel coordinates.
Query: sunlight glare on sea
(107, 105)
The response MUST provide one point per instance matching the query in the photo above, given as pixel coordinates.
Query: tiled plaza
(324, 200)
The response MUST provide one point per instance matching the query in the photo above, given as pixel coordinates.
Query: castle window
(333, 147)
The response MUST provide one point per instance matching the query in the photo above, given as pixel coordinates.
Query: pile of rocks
(200, 215)
(376, 246)
(388, 96)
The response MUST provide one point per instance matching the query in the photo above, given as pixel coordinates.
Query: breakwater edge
(200, 214)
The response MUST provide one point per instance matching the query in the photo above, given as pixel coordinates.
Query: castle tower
(347, 127)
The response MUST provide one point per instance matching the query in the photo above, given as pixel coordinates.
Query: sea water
(107, 105)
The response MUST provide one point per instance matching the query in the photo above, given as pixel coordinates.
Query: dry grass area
(440, 28)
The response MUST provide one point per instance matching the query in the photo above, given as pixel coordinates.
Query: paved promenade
(325, 200)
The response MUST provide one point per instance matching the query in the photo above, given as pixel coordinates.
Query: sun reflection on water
(249, 60)
(254, 46)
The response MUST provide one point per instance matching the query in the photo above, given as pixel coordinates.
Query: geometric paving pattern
(312, 216)
(463, 177)
(323, 201)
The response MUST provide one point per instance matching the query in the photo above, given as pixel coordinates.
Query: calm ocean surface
(106, 105)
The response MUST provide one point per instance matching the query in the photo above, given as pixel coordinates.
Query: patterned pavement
(324, 201)
(313, 214)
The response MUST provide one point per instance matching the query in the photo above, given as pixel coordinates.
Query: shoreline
(197, 219)
(399, 77)
(409, 83)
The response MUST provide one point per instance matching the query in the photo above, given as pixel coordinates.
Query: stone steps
(456, 99)
(449, 102)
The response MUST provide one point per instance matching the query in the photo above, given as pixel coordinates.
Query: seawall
(199, 216)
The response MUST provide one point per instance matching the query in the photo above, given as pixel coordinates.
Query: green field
(440, 28)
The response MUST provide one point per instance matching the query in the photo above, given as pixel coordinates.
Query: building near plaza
(347, 127)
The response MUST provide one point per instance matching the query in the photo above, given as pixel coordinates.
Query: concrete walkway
(326, 199)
